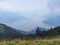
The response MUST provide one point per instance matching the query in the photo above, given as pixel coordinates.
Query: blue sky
(28, 14)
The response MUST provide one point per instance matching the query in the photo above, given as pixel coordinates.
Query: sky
(29, 14)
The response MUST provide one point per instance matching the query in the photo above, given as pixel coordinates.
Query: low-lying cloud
(34, 10)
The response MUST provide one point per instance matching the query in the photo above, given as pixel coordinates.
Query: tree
(38, 32)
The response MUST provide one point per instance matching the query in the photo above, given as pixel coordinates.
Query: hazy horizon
(28, 14)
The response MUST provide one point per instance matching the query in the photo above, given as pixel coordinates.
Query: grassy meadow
(55, 41)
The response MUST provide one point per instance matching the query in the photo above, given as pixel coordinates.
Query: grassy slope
(1, 28)
(55, 41)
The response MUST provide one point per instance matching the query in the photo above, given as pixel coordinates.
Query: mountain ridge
(8, 32)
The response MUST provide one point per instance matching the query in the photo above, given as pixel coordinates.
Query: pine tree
(38, 32)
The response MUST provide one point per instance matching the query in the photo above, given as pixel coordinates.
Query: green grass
(31, 42)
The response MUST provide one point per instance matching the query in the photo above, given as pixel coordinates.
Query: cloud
(8, 6)
(24, 5)
(9, 17)
(54, 5)
(29, 24)
(33, 10)
(53, 20)
(29, 6)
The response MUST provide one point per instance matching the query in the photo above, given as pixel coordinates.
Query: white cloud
(10, 6)
(34, 10)
(24, 5)
(5, 5)
(54, 5)
(30, 23)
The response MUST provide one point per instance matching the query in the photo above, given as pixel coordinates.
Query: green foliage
(10, 32)
(10, 44)
(29, 37)
(53, 32)
(50, 33)
(1, 28)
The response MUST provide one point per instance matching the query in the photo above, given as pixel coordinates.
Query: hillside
(7, 32)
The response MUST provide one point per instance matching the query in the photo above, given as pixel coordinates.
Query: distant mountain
(53, 20)
(31, 32)
(34, 30)
(7, 32)
(23, 32)
(9, 17)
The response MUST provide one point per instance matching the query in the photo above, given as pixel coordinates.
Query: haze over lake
(29, 14)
